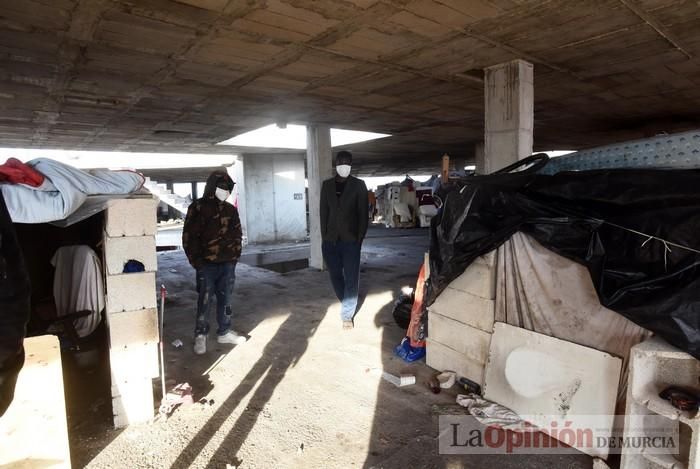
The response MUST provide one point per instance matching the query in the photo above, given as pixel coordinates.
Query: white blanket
(64, 190)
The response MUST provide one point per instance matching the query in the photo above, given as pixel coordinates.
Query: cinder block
(466, 308)
(133, 403)
(654, 365)
(441, 357)
(118, 251)
(129, 362)
(478, 279)
(131, 292)
(131, 217)
(468, 341)
(133, 327)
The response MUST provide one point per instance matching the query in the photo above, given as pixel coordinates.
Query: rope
(649, 237)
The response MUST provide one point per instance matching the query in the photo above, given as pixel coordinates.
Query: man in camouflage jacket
(212, 241)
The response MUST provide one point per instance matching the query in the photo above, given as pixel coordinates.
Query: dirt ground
(298, 393)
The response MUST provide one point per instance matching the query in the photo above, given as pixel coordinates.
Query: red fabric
(417, 310)
(16, 172)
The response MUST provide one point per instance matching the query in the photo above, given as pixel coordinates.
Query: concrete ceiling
(181, 75)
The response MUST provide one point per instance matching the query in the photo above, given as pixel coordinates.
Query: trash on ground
(409, 353)
(469, 386)
(490, 413)
(177, 343)
(173, 271)
(398, 381)
(434, 385)
(446, 379)
(179, 395)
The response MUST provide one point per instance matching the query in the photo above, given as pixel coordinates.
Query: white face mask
(343, 170)
(221, 194)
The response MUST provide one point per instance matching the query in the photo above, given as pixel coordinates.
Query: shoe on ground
(231, 338)
(200, 344)
(348, 325)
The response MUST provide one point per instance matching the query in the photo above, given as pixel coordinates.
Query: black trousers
(15, 293)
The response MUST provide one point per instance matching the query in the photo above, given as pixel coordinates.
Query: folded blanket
(64, 190)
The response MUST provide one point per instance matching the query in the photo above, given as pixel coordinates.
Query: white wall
(273, 213)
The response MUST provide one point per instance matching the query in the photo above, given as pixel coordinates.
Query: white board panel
(550, 382)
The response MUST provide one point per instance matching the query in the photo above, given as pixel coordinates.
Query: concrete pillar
(195, 196)
(509, 113)
(237, 173)
(479, 158)
(319, 163)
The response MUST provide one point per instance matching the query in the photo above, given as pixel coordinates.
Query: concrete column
(195, 196)
(237, 173)
(509, 113)
(319, 163)
(480, 158)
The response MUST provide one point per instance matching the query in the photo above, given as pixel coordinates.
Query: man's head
(343, 163)
(219, 185)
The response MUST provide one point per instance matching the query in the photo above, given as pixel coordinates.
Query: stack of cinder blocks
(460, 321)
(655, 365)
(132, 317)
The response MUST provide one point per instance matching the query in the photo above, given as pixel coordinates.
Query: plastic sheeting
(634, 230)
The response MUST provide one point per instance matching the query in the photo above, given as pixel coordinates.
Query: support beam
(479, 158)
(195, 196)
(319, 164)
(509, 104)
(237, 173)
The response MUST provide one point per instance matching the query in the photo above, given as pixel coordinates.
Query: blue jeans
(343, 261)
(215, 280)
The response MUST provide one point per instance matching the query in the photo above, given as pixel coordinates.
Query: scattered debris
(446, 379)
(469, 386)
(489, 413)
(434, 385)
(180, 394)
(399, 381)
(177, 343)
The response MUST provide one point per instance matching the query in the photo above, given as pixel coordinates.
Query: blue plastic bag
(407, 353)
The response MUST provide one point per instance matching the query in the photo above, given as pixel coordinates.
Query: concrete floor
(298, 393)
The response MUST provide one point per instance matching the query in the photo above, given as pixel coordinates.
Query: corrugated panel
(666, 151)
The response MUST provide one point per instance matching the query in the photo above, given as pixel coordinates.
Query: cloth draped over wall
(539, 290)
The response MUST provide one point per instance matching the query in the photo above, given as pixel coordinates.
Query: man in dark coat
(212, 241)
(14, 307)
(344, 221)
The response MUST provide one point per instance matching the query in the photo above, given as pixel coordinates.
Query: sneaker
(200, 344)
(348, 325)
(231, 338)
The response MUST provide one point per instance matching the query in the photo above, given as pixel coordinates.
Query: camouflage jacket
(212, 232)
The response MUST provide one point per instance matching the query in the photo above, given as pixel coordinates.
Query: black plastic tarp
(601, 219)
